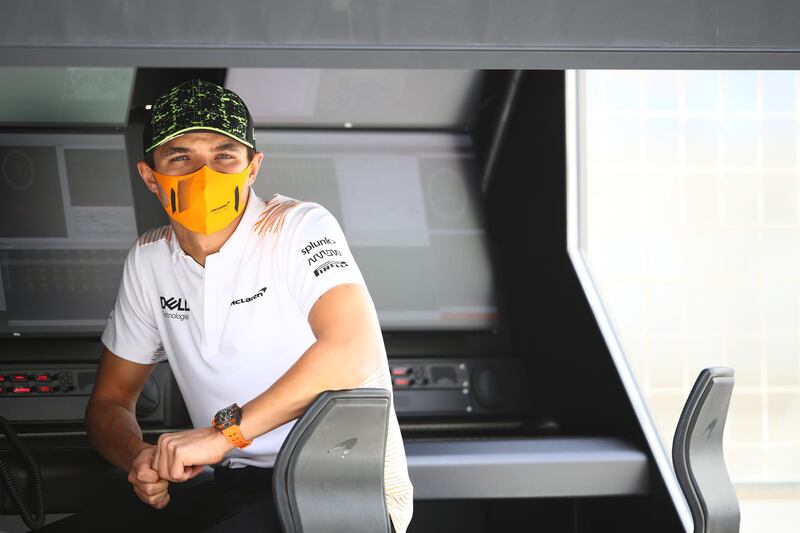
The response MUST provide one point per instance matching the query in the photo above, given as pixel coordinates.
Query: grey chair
(328, 475)
(697, 454)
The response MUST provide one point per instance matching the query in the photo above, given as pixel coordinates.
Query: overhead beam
(508, 34)
(393, 58)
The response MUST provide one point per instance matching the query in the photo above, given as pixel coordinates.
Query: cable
(33, 521)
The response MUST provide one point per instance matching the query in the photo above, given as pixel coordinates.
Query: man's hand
(147, 484)
(182, 455)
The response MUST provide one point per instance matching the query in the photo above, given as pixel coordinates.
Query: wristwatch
(227, 420)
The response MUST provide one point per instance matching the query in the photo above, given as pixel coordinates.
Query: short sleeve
(315, 255)
(131, 332)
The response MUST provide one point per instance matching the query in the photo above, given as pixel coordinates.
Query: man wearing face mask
(258, 306)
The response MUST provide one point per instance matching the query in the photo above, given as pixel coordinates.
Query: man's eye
(225, 156)
(178, 158)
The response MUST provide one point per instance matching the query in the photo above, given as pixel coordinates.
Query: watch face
(227, 417)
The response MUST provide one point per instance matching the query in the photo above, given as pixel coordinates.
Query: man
(258, 306)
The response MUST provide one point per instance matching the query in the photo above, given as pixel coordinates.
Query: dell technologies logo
(175, 304)
(172, 304)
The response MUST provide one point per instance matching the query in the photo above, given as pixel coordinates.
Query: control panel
(59, 393)
(37, 382)
(464, 387)
(423, 387)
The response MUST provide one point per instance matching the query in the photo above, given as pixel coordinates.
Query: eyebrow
(228, 147)
(174, 150)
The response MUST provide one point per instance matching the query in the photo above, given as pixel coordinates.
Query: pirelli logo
(324, 267)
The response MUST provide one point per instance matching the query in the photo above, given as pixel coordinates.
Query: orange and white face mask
(204, 201)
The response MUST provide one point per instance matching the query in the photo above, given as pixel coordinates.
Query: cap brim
(198, 128)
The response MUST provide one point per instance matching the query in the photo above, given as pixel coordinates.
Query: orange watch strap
(235, 436)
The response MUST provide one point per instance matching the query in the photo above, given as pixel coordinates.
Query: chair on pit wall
(697, 454)
(328, 475)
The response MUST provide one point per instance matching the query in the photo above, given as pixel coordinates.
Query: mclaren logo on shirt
(259, 294)
(175, 304)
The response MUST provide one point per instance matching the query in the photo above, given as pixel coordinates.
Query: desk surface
(541, 467)
(533, 467)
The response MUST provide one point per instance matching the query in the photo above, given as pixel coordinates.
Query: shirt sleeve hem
(127, 353)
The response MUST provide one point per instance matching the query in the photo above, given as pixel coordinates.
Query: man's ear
(258, 157)
(147, 176)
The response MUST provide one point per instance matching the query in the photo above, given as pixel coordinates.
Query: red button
(42, 377)
(402, 382)
(2, 379)
(399, 371)
(45, 388)
(21, 390)
(19, 377)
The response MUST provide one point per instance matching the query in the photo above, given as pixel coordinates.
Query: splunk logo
(175, 304)
(259, 294)
(313, 244)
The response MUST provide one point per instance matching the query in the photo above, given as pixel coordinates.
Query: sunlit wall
(691, 232)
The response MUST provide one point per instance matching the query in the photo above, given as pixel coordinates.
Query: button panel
(59, 393)
(466, 387)
(36, 382)
(448, 375)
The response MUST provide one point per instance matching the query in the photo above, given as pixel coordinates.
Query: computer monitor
(409, 205)
(66, 223)
(407, 202)
(79, 96)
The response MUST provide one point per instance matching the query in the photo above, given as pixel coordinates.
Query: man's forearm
(324, 366)
(114, 433)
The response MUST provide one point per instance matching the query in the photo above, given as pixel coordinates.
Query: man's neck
(199, 246)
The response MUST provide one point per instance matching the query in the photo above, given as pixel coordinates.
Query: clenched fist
(147, 484)
(182, 455)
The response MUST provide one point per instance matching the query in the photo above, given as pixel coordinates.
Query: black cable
(33, 521)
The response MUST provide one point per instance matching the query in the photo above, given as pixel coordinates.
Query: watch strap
(227, 421)
(234, 435)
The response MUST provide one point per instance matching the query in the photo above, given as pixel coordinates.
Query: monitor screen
(65, 95)
(407, 202)
(366, 98)
(66, 224)
(409, 205)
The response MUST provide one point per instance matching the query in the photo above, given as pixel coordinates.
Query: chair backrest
(328, 475)
(697, 453)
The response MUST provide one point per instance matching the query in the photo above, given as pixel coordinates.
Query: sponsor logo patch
(322, 254)
(259, 294)
(175, 304)
(313, 244)
(324, 267)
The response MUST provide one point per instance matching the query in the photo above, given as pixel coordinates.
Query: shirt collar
(233, 248)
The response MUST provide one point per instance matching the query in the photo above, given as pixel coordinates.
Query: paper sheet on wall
(108, 223)
(382, 201)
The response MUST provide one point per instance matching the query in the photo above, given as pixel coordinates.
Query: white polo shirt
(232, 328)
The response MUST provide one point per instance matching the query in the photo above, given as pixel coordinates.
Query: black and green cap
(198, 105)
